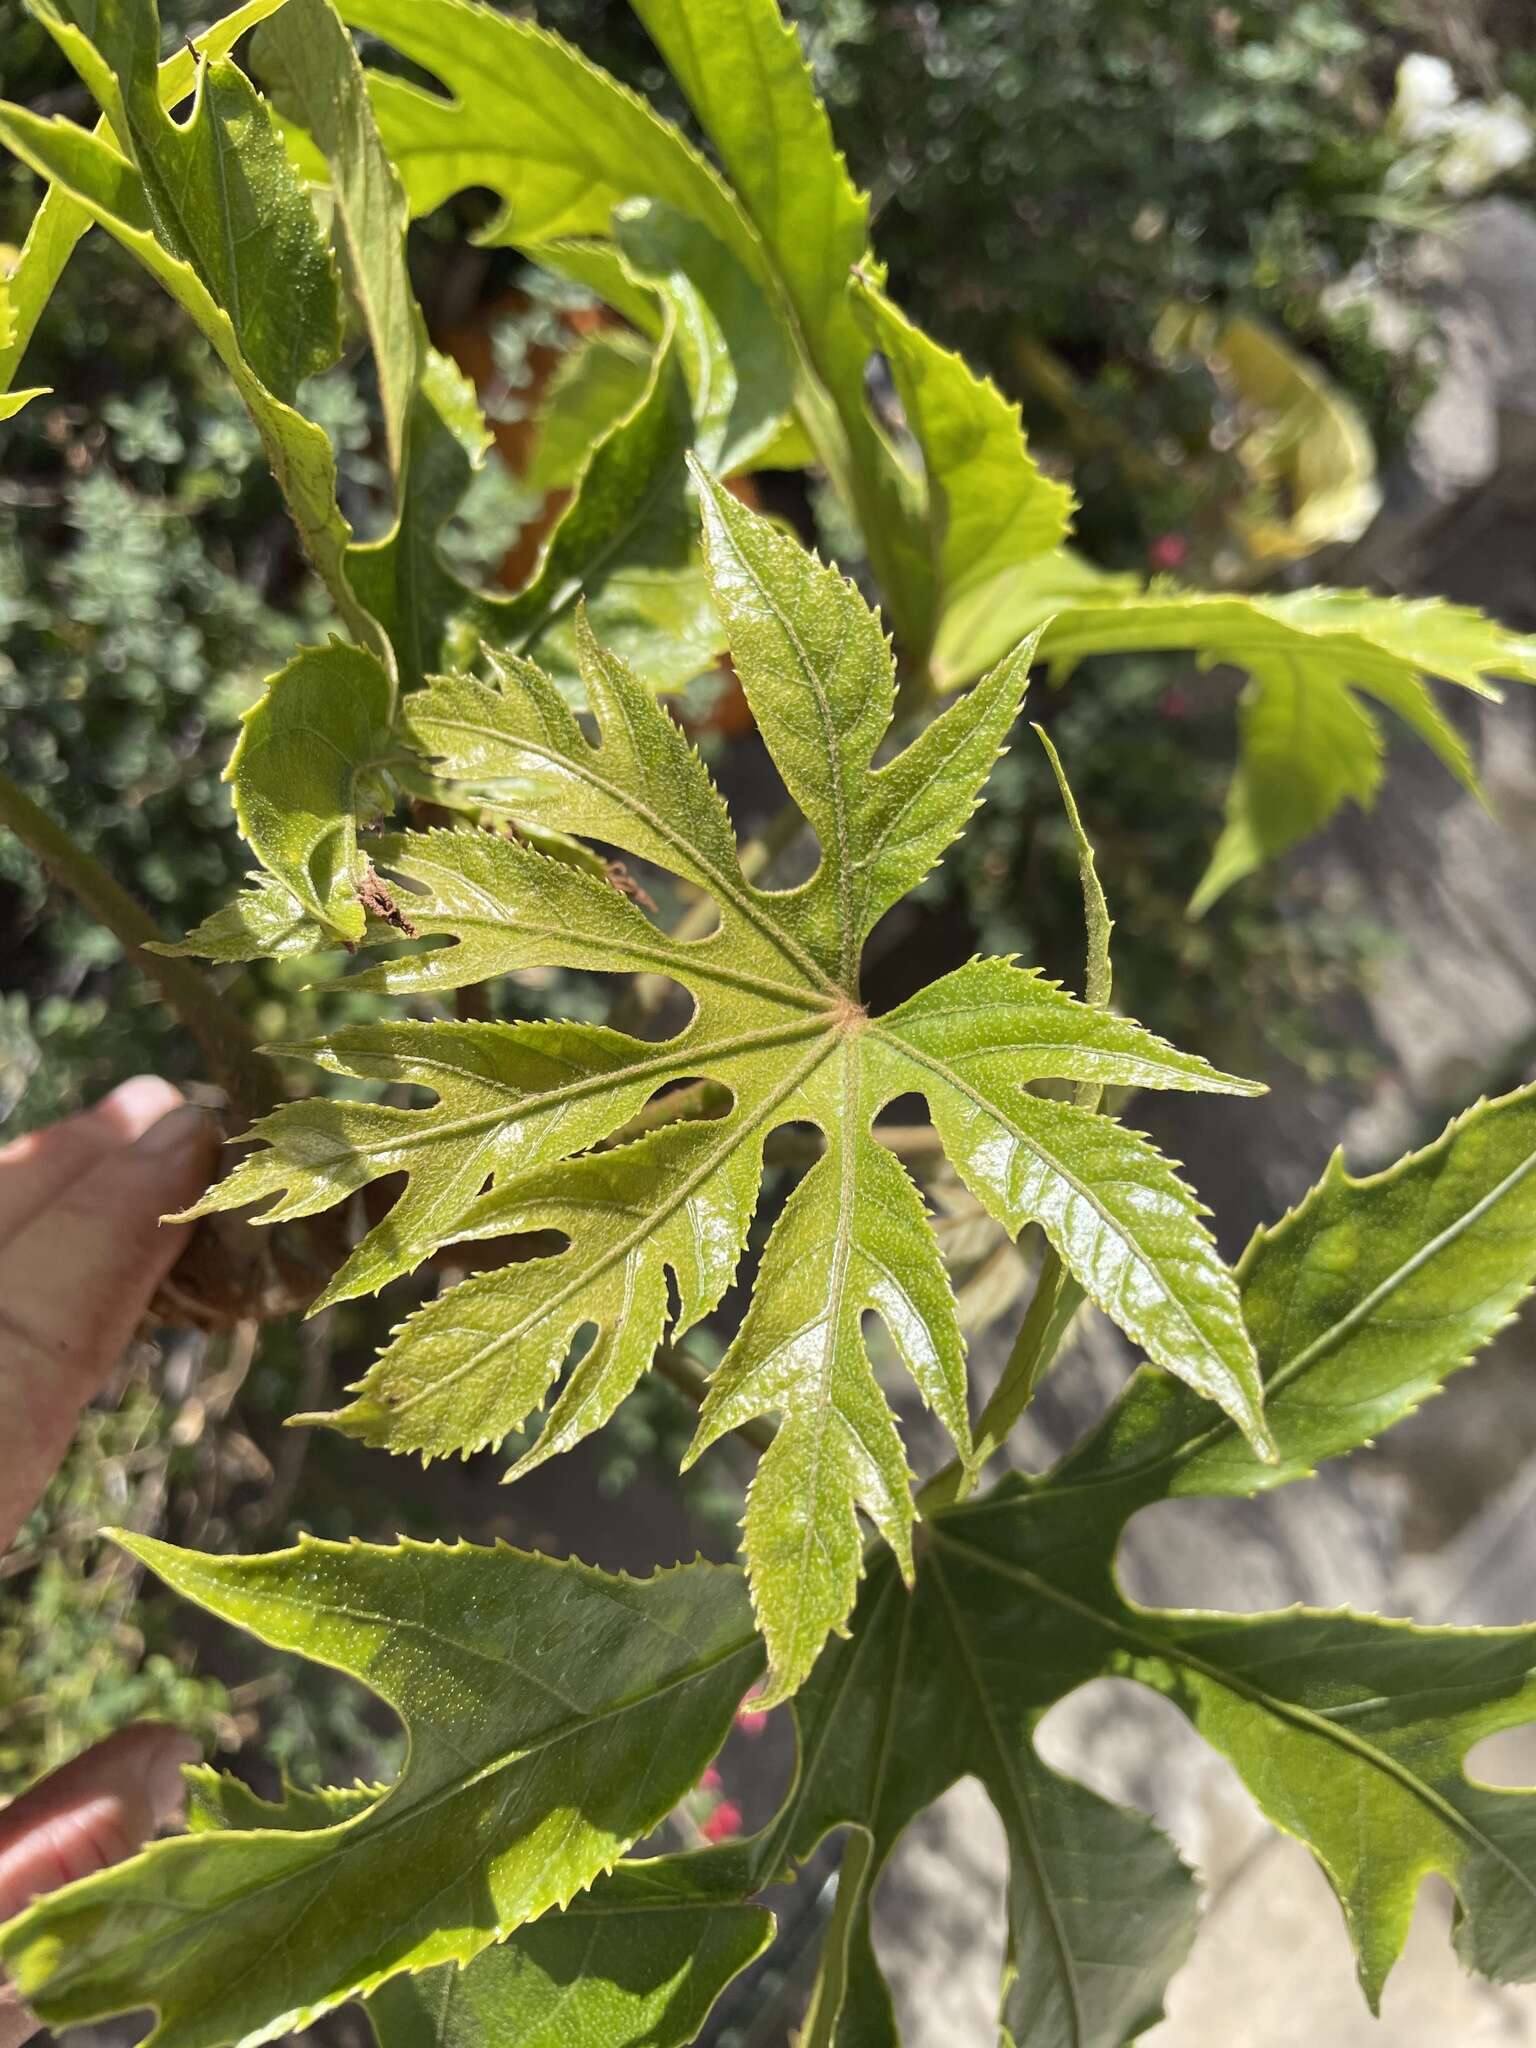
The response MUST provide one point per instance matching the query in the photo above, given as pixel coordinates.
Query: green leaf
(1310, 739)
(1351, 1733)
(60, 220)
(932, 1688)
(1361, 1302)
(778, 1028)
(263, 922)
(107, 187)
(219, 188)
(434, 435)
(741, 66)
(739, 369)
(555, 1714)
(988, 506)
(589, 392)
(564, 145)
(627, 546)
(635, 1962)
(1125, 1226)
(300, 773)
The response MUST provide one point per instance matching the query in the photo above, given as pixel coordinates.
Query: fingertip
(136, 1106)
(185, 1129)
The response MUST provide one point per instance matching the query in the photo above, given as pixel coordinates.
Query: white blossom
(1426, 93)
(1484, 141)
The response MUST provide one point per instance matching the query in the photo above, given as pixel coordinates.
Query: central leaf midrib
(1303, 1718)
(740, 899)
(736, 1134)
(663, 954)
(837, 1282)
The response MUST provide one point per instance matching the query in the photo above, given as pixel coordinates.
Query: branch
(219, 1029)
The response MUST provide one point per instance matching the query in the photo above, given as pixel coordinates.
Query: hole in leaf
(939, 1922)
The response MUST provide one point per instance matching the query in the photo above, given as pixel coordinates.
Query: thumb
(73, 1284)
(94, 1812)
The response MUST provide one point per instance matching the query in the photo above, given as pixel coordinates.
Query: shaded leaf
(105, 185)
(1351, 1733)
(555, 1714)
(62, 220)
(634, 1962)
(434, 434)
(626, 546)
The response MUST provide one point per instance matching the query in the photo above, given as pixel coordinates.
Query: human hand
(82, 1251)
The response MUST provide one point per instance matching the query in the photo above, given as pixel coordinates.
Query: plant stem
(832, 1978)
(219, 1029)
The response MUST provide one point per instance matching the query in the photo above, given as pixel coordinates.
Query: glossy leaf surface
(778, 1025)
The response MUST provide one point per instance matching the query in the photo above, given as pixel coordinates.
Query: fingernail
(140, 1102)
(163, 1780)
(183, 1129)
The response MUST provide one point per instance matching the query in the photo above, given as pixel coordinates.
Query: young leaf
(988, 506)
(779, 1024)
(299, 772)
(265, 921)
(1351, 1733)
(555, 1714)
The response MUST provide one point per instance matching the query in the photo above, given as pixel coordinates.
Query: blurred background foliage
(1049, 181)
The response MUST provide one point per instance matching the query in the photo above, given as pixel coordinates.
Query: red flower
(724, 1822)
(1168, 551)
(752, 1720)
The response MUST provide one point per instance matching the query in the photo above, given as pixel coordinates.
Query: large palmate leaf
(1351, 1733)
(212, 208)
(555, 1714)
(779, 1027)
